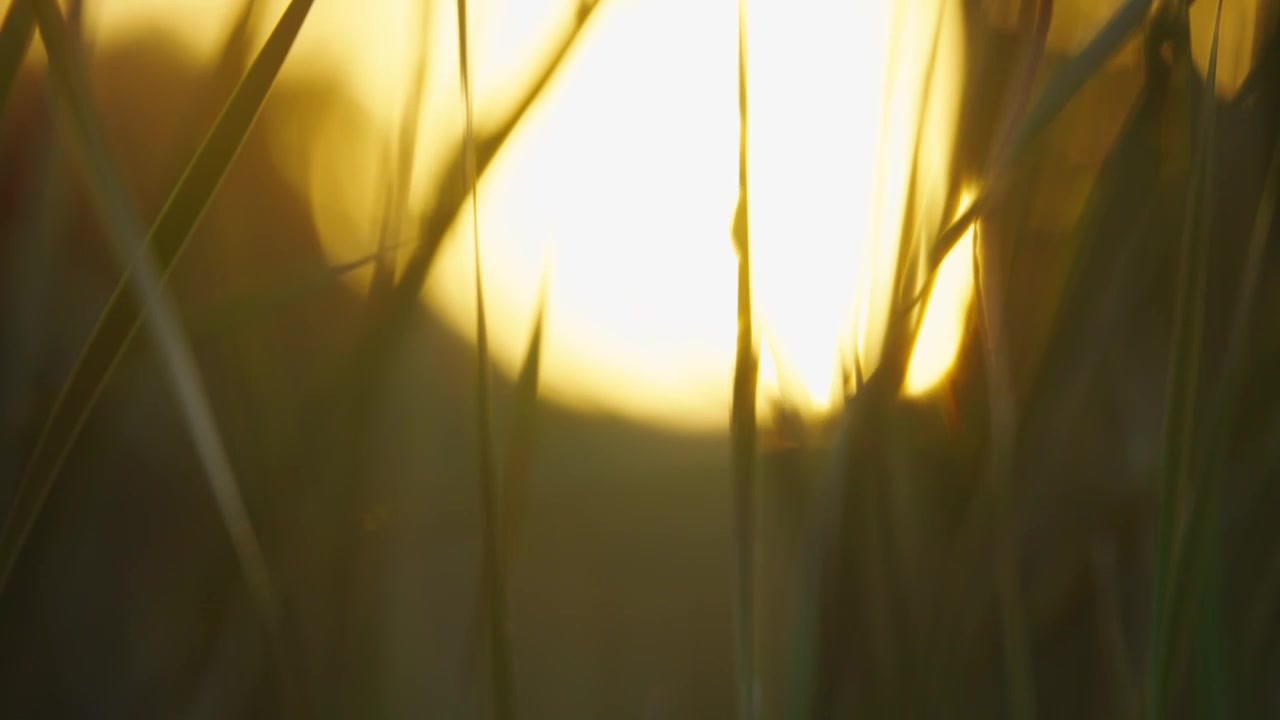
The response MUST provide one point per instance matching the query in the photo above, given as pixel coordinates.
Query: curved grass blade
(122, 318)
(125, 231)
(15, 38)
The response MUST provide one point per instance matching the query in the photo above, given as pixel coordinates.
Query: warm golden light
(945, 317)
(620, 184)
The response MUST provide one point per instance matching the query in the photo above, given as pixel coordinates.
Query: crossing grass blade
(1183, 547)
(743, 416)
(389, 316)
(1061, 87)
(991, 286)
(124, 229)
(401, 170)
(1110, 629)
(123, 315)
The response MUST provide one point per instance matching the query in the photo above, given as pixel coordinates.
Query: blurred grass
(513, 494)
(404, 149)
(494, 568)
(1059, 89)
(1182, 500)
(889, 532)
(146, 263)
(742, 425)
(124, 315)
(15, 38)
(1269, 596)
(388, 318)
(124, 230)
(990, 292)
(992, 507)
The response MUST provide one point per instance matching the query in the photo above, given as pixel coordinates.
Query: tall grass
(859, 614)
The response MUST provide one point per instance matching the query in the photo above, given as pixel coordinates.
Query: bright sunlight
(617, 190)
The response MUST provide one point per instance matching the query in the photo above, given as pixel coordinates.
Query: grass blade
(1203, 534)
(1178, 540)
(387, 319)
(15, 38)
(515, 488)
(451, 195)
(1072, 76)
(990, 277)
(743, 414)
(144, 276)
(125, 231)
(406, 150)
(233, 59)
(524, 426)
(493, 570)
(990, 294)
(122, 317)
(908, 245)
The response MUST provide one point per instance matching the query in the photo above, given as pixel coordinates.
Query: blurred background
(1044, 489)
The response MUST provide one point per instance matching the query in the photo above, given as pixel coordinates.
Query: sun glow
(628, 169)
(620, 183)
(946, 313)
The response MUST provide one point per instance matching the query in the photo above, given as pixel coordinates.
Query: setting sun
(618, 187)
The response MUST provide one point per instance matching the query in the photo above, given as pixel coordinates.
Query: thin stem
(743, 419)
(493, 569)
